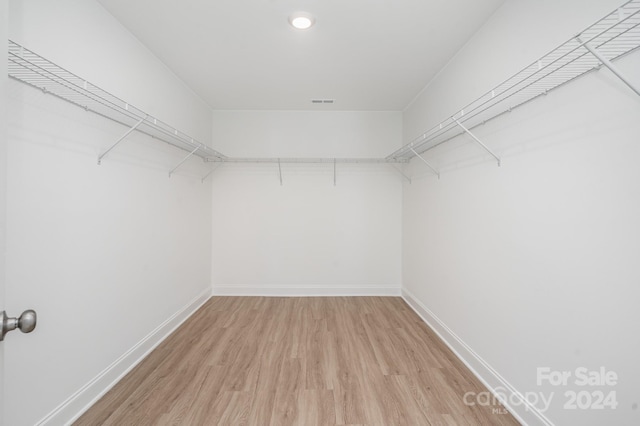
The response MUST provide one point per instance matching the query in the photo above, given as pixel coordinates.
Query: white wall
(105, 254)
(306, 236)
(90, 43)
(3, 183)
(533, 264)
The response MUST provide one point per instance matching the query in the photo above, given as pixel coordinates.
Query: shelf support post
(401, 172)
(467, 131)
(334, 172)
(280, 171)
(135, 126)
(607, 63)
(213, 169)
(183, 160)
(425, 162)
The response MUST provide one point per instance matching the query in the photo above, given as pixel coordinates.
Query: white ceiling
(365, 54)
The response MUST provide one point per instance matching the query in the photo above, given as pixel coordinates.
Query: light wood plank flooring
(298, 361)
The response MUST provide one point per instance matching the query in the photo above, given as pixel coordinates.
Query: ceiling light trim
(302, 20)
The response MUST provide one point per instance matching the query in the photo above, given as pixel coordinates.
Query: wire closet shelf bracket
(603, 42)
(28, 67)
(34, 70)
(610, 38)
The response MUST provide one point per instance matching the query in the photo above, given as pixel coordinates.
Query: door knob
(26, 322)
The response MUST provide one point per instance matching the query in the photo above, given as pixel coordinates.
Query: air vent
(322, 101)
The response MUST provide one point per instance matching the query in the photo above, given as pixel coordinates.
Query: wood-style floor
(298, 361)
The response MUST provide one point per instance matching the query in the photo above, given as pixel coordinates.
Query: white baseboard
(517, 405)
(318, 291)
(71, 409)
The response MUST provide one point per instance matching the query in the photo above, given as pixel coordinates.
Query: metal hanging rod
(308, 160)
(31, 68)
(612, 37)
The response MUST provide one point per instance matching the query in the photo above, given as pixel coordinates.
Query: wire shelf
(309, 160)
(613, 36)
(31, 68)
(34, 70)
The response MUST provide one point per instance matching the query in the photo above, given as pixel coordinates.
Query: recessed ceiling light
(301, 20)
